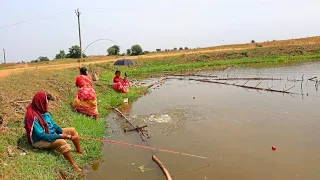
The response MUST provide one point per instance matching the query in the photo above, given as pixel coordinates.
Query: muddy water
(234, 127)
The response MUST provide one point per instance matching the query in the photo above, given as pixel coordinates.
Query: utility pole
(78, 13)
(4, 56)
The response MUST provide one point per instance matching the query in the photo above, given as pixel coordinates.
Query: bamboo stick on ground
(165, 171)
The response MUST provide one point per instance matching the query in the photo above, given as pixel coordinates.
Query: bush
(43, 58)
(61, 55)
(114, 50)
(186, 48)
(75, 52)
(253, 41)
(128, 51)
(34, 61)
(258, 45)
(136, 50)
(181, 48)
(158, 50)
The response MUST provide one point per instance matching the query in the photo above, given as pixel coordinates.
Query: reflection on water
(235, 127)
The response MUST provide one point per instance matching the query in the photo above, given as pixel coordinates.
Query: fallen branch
(136, 128)
(196, 75)
(289, 89)
(165, 171)
(230, 79)
(258, 84)
(312, 78)
(243, 86)
(142, 132)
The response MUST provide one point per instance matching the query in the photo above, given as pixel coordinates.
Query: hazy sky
(153, 24)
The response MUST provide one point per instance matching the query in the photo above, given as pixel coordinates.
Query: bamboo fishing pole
(142, 146)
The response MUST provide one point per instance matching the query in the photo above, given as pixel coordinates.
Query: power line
(32, 20)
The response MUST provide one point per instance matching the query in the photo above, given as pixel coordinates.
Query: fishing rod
(142, 146)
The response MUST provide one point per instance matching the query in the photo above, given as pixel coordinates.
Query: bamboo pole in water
(165, 171)
(143, 133)
(243, 86)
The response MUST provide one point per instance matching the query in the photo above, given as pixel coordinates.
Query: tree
(181, 48)
(253, 41)
(43, 58)
(186, 48)
(114, 50)
(75, 52)
(175, 49)
(158, 50)
(61, 55)
(128, 52)
(136, 50)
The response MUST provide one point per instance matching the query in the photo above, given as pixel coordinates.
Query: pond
(233, 126)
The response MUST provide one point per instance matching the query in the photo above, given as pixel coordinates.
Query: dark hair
(83, 71)
(50, 97)
(117, 72)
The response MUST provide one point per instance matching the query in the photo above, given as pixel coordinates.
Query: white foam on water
(163, 118)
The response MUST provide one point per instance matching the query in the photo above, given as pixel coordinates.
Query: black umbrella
(124, 62)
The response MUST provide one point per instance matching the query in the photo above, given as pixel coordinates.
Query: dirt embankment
(304, 43)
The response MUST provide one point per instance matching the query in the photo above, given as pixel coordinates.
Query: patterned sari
(86, 100)
(121, 85)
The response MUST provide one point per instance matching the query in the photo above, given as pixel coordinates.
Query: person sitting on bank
(43, 132)
(120, 84)
(86, 100)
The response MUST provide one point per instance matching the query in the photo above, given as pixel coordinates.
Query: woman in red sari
(120, 84)
(86, 100)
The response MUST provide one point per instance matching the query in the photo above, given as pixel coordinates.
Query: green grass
(39, 164)
(173, 63)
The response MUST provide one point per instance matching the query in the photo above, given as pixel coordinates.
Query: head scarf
(38, 106)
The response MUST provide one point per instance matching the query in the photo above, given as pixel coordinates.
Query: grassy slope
(42, 164)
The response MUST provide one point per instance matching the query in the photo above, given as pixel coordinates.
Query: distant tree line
(135, 50)
(174, 49)
(74, 52)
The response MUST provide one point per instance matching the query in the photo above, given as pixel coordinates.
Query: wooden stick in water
(165, 171)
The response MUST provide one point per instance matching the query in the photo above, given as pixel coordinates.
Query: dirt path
(7, 72)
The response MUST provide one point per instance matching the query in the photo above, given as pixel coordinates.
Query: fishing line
(143, 147)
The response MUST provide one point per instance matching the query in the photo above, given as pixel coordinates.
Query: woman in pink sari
(120, 84)
(86, 100)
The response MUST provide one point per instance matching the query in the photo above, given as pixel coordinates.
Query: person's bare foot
(96, 117)
(80, 152)
(76, 168)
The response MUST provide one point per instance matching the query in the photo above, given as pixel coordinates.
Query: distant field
(303, 44)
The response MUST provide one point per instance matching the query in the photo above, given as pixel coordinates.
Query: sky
(33, 28)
